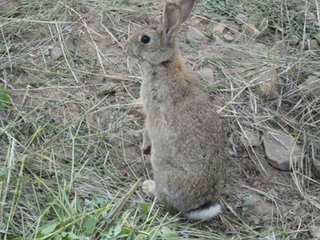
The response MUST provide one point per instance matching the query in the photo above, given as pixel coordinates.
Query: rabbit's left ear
(172, 20)
(173, 16)
(186, 7)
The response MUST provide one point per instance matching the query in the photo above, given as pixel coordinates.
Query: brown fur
(184, 131)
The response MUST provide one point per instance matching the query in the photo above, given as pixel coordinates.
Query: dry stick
(64, 54)
(118, 207)
(5, 192)
(318, 11)
(89, 30)
(7, 48)
(239, 93)
(95, 46)
(304, 26)
(111, 35)
(122, 201)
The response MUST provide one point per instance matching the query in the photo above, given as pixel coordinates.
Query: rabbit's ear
(186, 7)
(174, 14)
(172, 19)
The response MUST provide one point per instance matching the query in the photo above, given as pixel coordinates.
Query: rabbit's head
(157, 45)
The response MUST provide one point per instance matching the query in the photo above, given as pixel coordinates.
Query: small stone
(228, 37)
(269, 90)
(315, 231)
(137, 108)
(218, 40)
(55, 53)
(313, 44)
(268, 86)
(207, 74)
(281, 149)
(196, 34)
(108, 88)
(249, 138)
(251, 30)
(219, 29)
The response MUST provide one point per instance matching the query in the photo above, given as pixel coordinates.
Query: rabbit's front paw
(149, 188)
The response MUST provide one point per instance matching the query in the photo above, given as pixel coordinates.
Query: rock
(281, 149)
(268, 86)
(311, 86)
(55, 53)
(108, 88)
(207, 74)
(223, 31)
(315, 231)
(228, 37)
(269, 90)
(218, 40)
(251, 30)
(137, 108)
(249, 138)
(313, 44)
(196, 34)
(219, 28)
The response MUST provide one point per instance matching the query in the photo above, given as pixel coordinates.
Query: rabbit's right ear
(172, 20)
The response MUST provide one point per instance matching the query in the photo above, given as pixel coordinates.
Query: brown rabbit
(185, 132)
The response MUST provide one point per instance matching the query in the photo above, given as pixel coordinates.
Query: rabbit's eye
(145, 39)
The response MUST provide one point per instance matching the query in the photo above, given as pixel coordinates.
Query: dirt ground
(74, 94)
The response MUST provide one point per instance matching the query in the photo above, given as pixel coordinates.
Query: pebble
(196, 34)
(281, 149)
(55, 53)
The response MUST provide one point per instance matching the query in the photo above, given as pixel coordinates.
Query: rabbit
(182, 128)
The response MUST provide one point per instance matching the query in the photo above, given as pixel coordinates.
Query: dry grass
(71, 164)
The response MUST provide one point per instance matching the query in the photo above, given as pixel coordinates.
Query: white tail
(205, 213)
